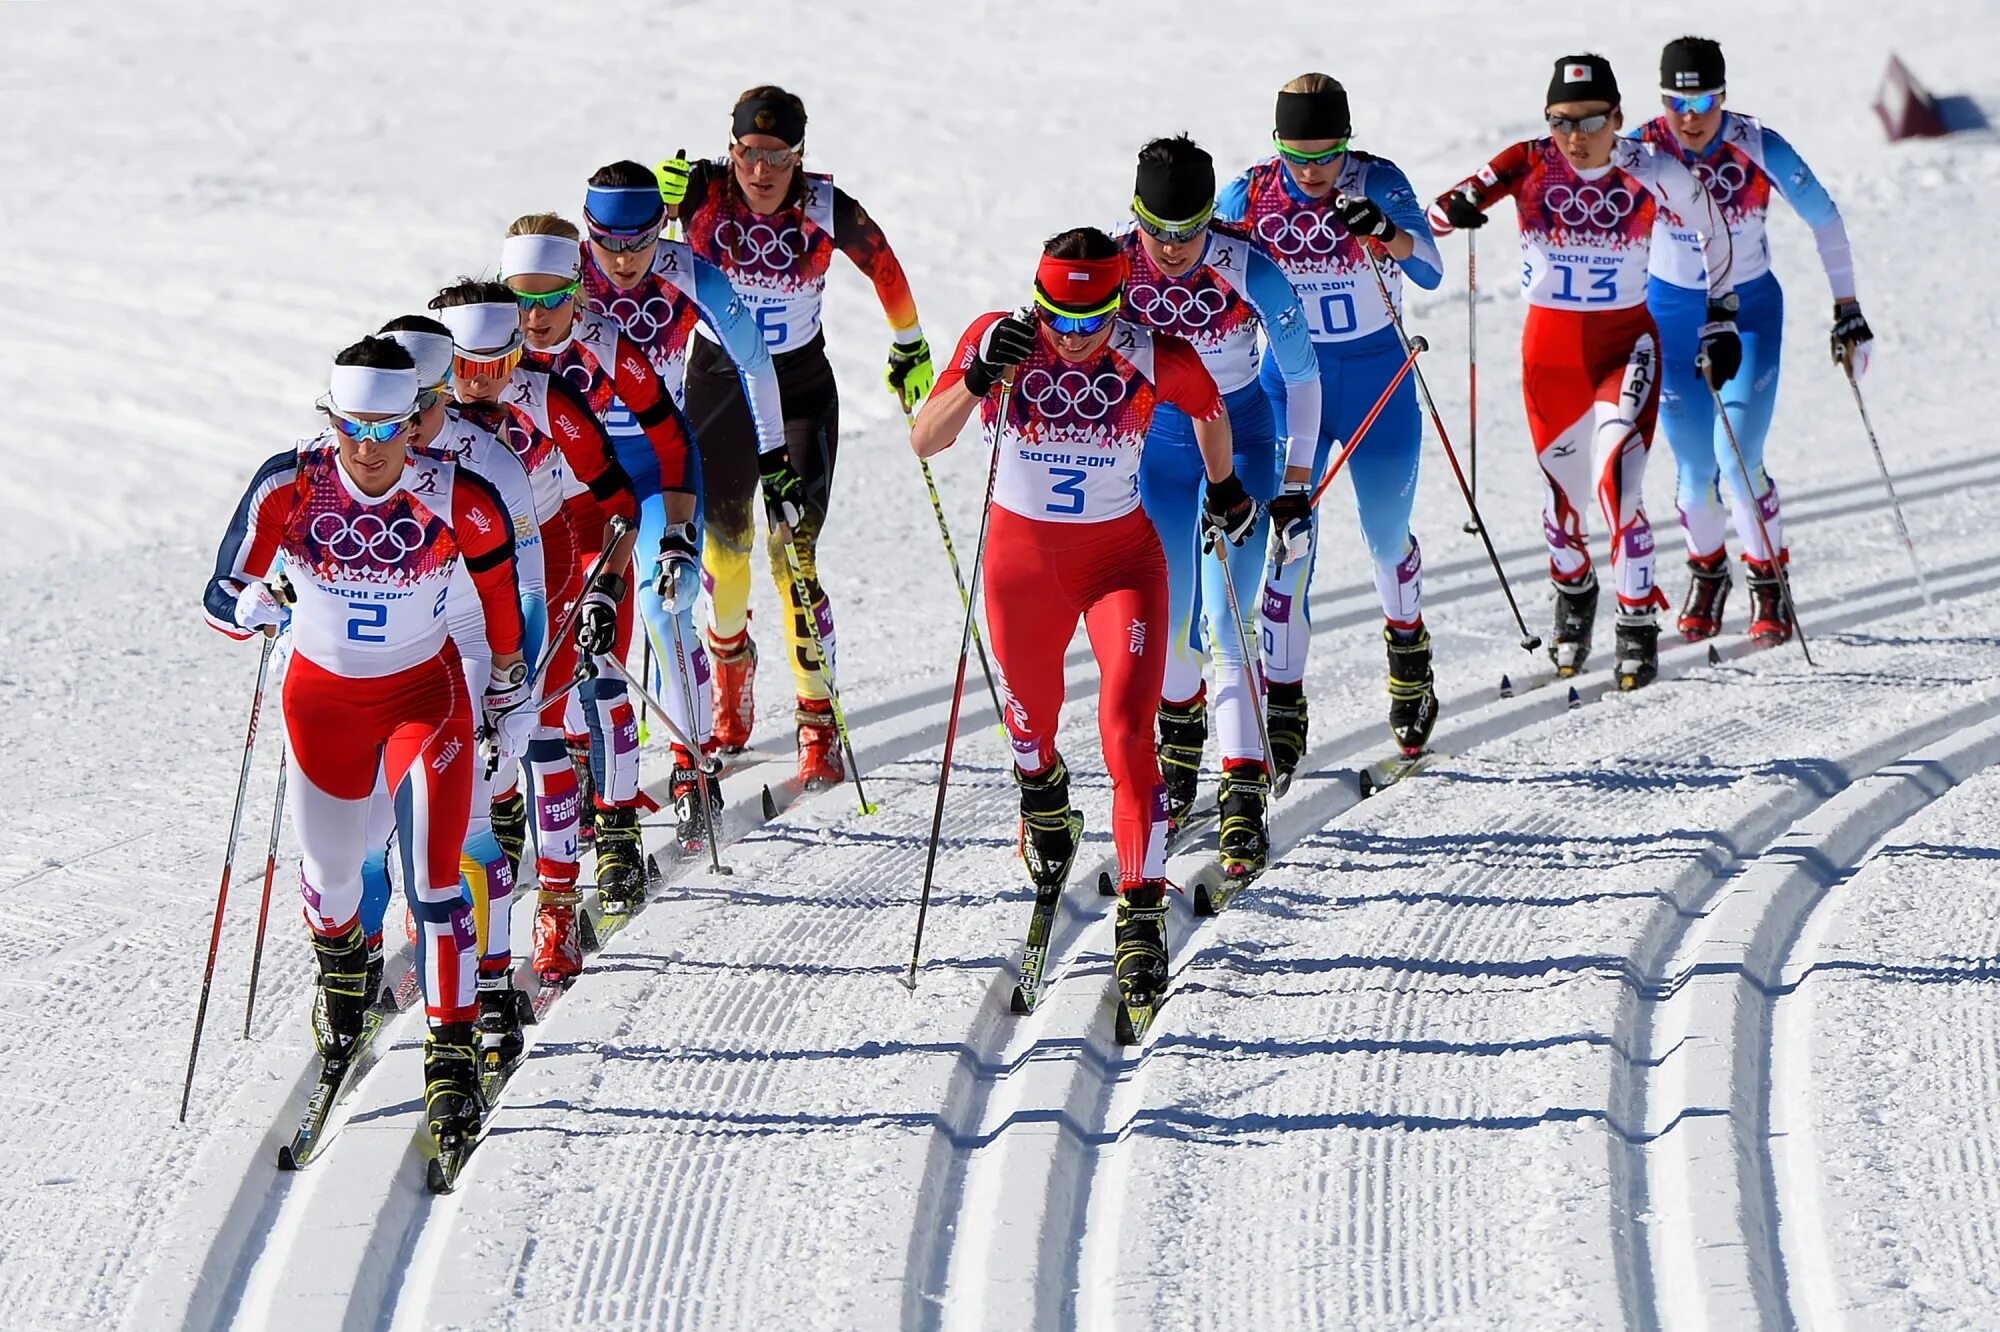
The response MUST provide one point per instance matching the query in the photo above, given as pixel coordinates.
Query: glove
(1461, 209)
(673, 177)
(1363, 217)
(784, 492)
(1851, 336)
(1720, 345)
(909, 375)
(1227, 511)
(1291, 522)
(509, 719)
(262, 606)
(597, 619)
(677, 576)
(1006, 344)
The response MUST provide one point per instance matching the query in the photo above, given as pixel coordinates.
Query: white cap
(555, 256)
(485, 329)
(431, 352)
(365, 390)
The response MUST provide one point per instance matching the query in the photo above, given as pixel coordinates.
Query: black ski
(1133, 1021)
(336, 1076)
(1389, 771)
(1035, 956)
(1212, 891)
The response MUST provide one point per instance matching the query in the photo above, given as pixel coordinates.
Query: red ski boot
(735, 698)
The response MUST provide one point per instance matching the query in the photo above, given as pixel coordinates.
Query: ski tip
(1714, 657)
(1020, 1003)
(1105, 886)
(770, 805)
(1506, 687)
(1204, 902)
(287, 1161)
(1575, 699)
(1365, 782)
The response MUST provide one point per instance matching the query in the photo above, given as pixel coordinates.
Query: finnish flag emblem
(1576, 73)
(1685, 78)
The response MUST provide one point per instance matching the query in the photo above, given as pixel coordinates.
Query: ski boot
(1285, 718)
(693, 823)
(500, 1004)
(735, 695)
(1413, 700)
(1708, 589)
(1245, 845)
(1141, 953)
(1638, 648)
(819, 746)
(558, 944)
(1576, 612)
(451, 1083)
(371, 987)
(1183, 732)
(1770, 621)
(340, 1003)
(621, 878)
(586, 788)
(510, 828)
(1050, 829)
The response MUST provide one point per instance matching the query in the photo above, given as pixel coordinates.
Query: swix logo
(446, 755)
(568, 428)
(477, 516)
(1136, 638)
(633, 366)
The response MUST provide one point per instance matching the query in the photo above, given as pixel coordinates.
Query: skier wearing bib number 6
(1085, 385)
(1590, 356)
(773, 227)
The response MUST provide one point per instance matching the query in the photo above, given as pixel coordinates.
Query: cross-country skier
(370, 537)
(1216, 289)
(1590, 363)
(1740, 162)
(659, 291)
(1313, 206)
(1069, 540)
(549, 425)
(773, 227)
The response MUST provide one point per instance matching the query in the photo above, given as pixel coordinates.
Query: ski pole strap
(1417, 347)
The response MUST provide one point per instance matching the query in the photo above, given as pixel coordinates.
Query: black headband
(1313, 115)
(1176, 192)
(769, 115)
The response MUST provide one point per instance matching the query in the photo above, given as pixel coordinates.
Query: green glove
(910, 375)
(673, 175)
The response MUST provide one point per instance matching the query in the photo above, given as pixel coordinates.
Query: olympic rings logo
(387, 542)
(1589, 205)
(644, 321)
(760, 243)
(1299, 234)
(1722, 181)
(1073, 393)
(1185, 306)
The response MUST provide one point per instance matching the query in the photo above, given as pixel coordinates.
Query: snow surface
(1592, 1025)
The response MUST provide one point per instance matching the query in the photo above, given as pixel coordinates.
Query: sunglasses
(1307, 159)
(547, 300)
(623, 240)
(775, 158)
(367, 432)
(1699, 105)
(486, 367)
(1173, 233)
(1579, 124)
(1077, 323)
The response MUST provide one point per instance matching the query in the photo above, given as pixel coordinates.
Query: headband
(769, 115)
(431, 352)
(1314, 115)
(1082, 286)
(623, 207)
(485, 330)
(365, 390)
(554, 256)
(1177, 192)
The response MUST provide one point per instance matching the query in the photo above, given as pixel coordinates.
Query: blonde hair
(1313, 83)
(544, 224)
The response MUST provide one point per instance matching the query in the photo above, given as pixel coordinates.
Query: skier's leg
(1124, 577)
(1751, 398)
(1029, 625)
(1253, 435)
(1626, 410)
(428, 759)
(1688, 415)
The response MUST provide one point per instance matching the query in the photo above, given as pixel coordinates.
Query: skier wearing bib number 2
(1590, 359)
(1215, 289)
(773, 228)
(1069, 540)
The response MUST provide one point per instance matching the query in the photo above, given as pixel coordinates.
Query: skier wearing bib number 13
(1086, 385)
(1590, 361)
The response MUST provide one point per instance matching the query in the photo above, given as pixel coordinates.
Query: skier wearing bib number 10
(1085, 386)
(1740, 162)
(1214, 289)
(1590, 361)
(773, 227)
(1313, 206)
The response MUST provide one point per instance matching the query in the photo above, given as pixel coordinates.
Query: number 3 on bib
(1066, 485)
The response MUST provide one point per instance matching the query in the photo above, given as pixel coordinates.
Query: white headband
(483, 330)
(556, 256)
(431, 352)
(363, 390)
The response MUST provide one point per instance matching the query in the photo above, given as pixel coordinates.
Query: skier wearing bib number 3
(1086, 386)
(1590, 358)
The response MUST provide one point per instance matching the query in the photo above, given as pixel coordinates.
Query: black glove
(1006, 344)
(1291, 522)
(1363, 217)
(1227, 511)
(1850, 333)
(1461, 209)
(1721, 350)
(784, 492)
(597, 618)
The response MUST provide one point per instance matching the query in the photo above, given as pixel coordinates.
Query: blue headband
(623, 207)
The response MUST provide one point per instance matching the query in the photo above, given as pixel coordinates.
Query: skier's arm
(856, 236)
(1391, 191)
(485, 536)
(249, 548)
(1184, 381)
(1815, 207)
(951, 403)
(639, 386)
(1232, 201)
(587, 449)
(1465, 204)
(726, 315)
(1677, 188)
(1272, 295)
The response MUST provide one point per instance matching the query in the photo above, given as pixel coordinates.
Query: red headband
(1081, 284)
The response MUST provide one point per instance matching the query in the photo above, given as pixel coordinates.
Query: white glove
(677, 575)
(1291, 522)
(259, 606)
(508, 716)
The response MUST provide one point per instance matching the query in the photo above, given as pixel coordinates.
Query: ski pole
(1757, 508)
(646, 670)
(707, 763)
(228, 863)
(264, 907)
(701, 778)
(1472, 362)
(958, 686)
(802, 594)
(1250, 664)
(1895, 505)
(951, 556)
(1529, 642)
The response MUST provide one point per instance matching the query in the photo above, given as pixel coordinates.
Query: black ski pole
(264, 906)
(1895, 505)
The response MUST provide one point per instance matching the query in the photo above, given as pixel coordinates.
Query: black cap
(1313, 115)
(1175, 180)
(1583, 78)
(1691, 65)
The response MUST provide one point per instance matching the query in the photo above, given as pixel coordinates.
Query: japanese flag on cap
(1583, 78)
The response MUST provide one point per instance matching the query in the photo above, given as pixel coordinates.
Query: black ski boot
(1638, 648)
(340, 1003)
(1413, 700)
(451, 1083)
(1244, 843)
(1285, 717)
(1141, 955)
(1708, 589)
(586, 788)
(510, 829)
(1050, 829)
(1576, 613)
(500, 1039)
(621, 879)
(692, 824)
(1770, 622)
(1183, 732)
